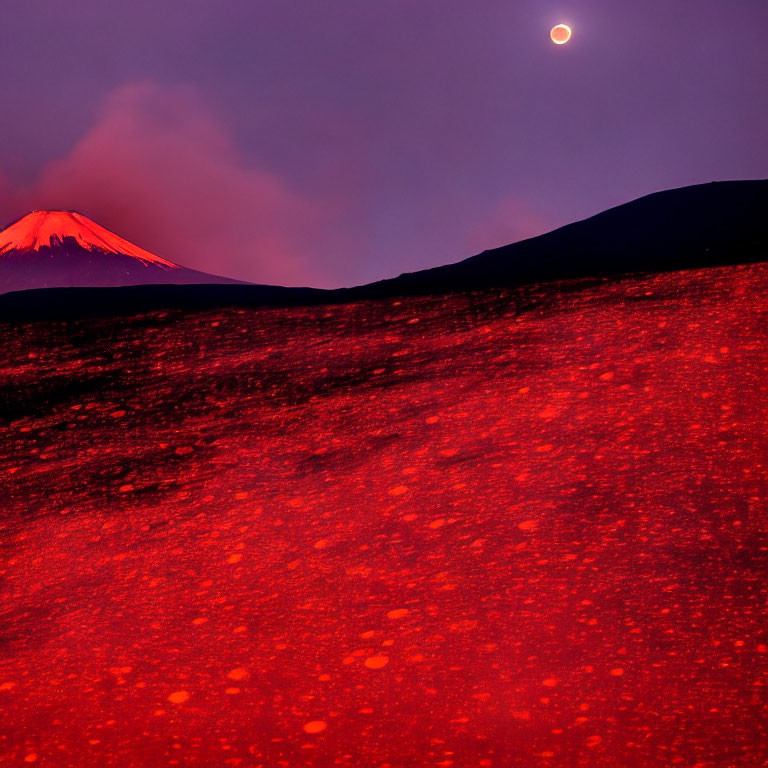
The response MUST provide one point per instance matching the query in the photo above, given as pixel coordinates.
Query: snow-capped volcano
(41, 229)
(61, 249)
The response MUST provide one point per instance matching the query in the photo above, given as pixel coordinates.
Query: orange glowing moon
(560, 34)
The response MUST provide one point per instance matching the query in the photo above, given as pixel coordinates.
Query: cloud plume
(158, 168)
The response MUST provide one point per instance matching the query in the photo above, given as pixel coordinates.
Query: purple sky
(333, 142)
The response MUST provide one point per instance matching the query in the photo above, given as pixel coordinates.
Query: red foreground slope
(476, 531)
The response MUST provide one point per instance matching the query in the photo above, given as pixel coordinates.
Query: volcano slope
(495, 529)
(59, 249)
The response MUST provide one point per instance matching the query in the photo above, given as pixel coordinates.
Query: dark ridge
(706, 225)
(73, 303)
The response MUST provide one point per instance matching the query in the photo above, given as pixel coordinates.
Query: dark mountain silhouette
(704, 225)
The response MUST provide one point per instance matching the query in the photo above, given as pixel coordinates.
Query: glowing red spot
(376, 662)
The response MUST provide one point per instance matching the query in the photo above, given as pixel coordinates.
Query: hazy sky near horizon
(334, 142)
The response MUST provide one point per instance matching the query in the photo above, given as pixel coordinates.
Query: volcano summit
(60, 249)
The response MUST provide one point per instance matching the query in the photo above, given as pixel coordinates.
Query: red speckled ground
(480, 531)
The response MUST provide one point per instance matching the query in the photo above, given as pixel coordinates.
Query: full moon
(560, 34)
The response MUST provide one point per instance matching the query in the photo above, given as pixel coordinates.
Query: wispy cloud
(159, 168)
